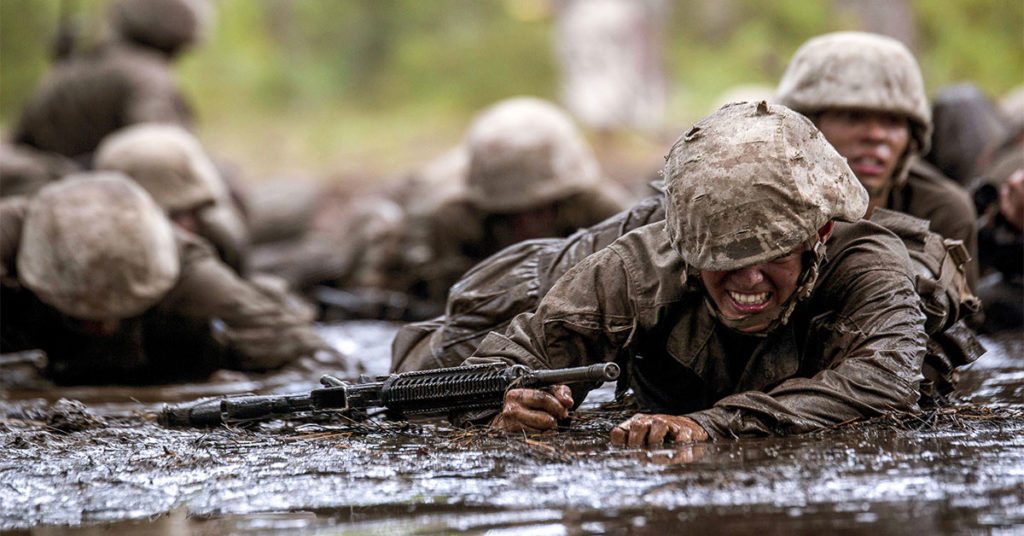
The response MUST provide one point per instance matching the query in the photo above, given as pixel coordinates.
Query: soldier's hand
(533, 410)
(646, 430)
(1011, 200)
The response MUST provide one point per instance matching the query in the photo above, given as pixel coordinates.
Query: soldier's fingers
(659, 429)
(563, 394)
(534, 419)
(536, 399)
(674, 432)
(509, 423)
(619, 435)
(684, 435)
(638, 431)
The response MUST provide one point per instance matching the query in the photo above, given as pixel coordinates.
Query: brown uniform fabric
(24, 170)
(928, 195)
(460, 236)
(422, 253)
(513, 281)
(210, 319)
(90, 96)
(854, 348)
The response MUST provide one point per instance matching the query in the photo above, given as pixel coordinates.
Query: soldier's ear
(825, 231)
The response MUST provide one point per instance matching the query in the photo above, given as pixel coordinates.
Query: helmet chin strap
(778, 315)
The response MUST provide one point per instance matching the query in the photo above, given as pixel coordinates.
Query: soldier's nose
(747, 278)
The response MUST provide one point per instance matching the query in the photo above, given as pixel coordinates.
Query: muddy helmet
(525, 152)
(166, 25)
(95, 246)
(166, 160)
(750, 183)
(858, 70)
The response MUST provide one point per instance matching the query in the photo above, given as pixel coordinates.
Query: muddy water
(65, 468)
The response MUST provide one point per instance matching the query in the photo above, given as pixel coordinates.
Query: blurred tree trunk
(894, 18)
(282, 21)
(613, 75)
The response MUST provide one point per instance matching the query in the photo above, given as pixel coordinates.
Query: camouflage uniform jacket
(506, 284)
(854, 348)
(210, 319)
(457, 236)
(929, 195)
(90, 96)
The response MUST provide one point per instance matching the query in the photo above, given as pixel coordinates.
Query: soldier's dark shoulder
(932, 192)
(864, 246)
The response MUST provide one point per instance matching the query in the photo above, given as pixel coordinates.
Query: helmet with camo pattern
(750, 183)
(96, 247)
(525, 152)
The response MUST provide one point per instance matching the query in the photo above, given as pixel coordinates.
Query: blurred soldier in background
(125, 81)
(96, 276)
(523, 172)
(966, 124)
(999, 199)
(866, 94)
(171, 165)
(24, 170)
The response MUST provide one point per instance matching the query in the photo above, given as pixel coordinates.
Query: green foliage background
(375, 86)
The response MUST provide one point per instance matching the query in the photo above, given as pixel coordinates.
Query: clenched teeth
(749, 299)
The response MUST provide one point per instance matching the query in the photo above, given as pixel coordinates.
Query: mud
(958, 469)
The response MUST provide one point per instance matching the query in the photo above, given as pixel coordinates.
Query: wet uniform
(458, 236)
(209, 319)
(92, 95)
(506, 284)
(929, 195)
(854, 348)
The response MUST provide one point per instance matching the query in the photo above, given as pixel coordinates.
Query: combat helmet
(860, 71)
(165, 25)
(752, 182)
(525, 152)
(166, 160)
(96, 247)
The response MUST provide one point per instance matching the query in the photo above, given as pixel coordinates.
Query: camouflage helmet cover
(750, 183)
(525, 152)
(166, 25)
(96, 247)
(858, 70)
(166, 160)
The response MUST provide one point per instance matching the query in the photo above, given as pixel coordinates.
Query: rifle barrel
(601, 372)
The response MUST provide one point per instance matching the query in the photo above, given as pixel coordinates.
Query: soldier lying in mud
(729, 318)
(93, 273)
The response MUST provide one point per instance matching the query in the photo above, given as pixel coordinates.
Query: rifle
(408, 394)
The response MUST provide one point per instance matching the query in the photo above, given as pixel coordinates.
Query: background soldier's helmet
(858, 70)
(96, 247)
(750, 183)
(165, 160)
(166, 25)
(523, 153)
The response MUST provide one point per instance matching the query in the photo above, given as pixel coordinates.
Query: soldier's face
(185, 219)
(754, 289)
(871, 141)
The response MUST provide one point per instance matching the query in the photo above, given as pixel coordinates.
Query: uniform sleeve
(958, 221)
(587, 318)
(872, 355)
(12, 215)
(260, 325)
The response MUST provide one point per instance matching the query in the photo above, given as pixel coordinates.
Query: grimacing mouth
(750, 299)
